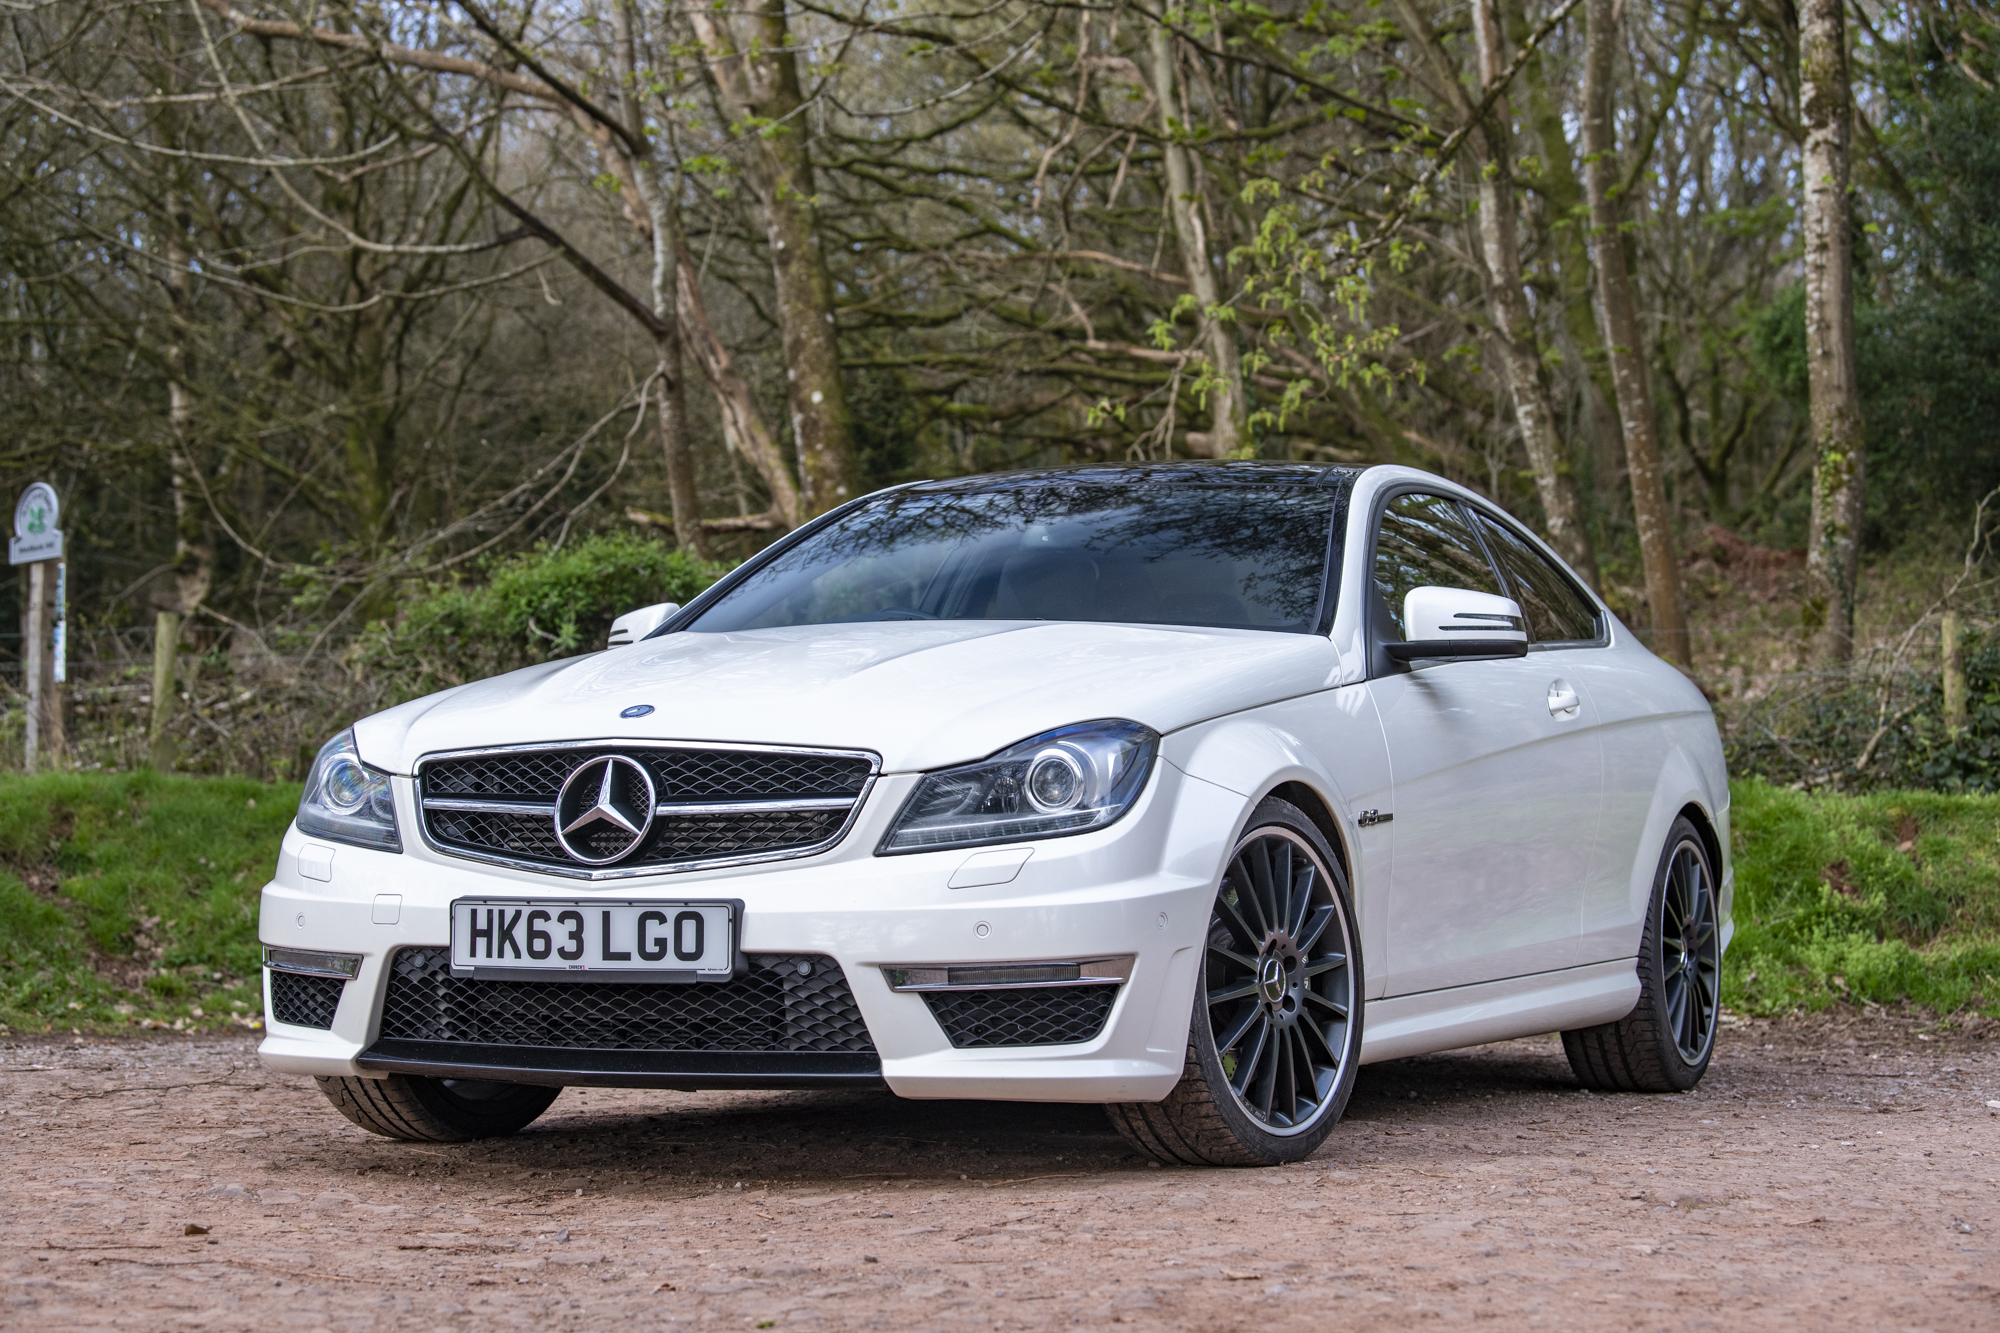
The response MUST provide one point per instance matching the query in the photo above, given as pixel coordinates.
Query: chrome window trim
(608, 873)
(929, 977)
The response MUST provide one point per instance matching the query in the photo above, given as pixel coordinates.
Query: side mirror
(636, 625)
(1458, 622)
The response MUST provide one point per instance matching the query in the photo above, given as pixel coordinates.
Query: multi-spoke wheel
(1277, 1013)
(1664, 1044)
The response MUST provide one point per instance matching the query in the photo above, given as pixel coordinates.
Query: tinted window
(1238, 556)
(1556, 612)
(1425, 541)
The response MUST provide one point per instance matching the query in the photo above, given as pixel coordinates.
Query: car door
(1496, 772)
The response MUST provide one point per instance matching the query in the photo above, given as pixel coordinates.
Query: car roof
(1179, 472)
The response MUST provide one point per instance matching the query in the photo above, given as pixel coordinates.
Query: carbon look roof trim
(636, 872)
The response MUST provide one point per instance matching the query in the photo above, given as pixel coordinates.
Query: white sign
(36, 536)
(36, 511)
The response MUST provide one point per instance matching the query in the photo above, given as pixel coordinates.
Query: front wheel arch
(1274, 1041)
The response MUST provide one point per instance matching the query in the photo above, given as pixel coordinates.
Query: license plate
(550, 939)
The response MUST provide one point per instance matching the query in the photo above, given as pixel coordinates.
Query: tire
(1665, 1043)
(1279, 994)
(437, 1110)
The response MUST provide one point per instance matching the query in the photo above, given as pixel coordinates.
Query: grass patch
(1874, 899)
(131, 899)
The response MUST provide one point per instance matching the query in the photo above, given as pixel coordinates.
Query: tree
(1617, 304)
(1833, 549)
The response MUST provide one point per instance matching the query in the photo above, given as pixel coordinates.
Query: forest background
(376, 347)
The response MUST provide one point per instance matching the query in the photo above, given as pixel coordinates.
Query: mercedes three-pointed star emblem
(605, 806)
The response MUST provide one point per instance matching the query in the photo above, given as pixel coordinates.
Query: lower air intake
(1028, 1016)
(785, 1004)
(305, 1002)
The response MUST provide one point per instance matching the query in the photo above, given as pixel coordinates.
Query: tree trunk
(663, 230)
(194, 556)
(1229, 431)
(742, 424)
(1833, 549)
(1514, 324)
(762, 85)
(1618, 308)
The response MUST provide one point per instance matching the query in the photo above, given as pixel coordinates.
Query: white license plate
(672, 940)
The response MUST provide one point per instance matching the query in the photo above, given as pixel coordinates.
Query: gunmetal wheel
(1665, 1043)
(1277, 1013)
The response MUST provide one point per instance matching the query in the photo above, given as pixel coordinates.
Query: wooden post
(32, 635)
(166, 642)
(1954, 676)
(41, 668)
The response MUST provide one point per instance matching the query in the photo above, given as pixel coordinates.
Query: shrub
(531, 608)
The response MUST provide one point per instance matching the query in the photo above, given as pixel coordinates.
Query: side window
(1556, 612)
(1425, 541)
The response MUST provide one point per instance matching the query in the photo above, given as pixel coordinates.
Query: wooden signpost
(38, 543)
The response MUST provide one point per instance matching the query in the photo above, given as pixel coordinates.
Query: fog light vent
(303, 1001)
(1039, 1016)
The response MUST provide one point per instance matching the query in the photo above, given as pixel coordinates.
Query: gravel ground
(1829, 1174)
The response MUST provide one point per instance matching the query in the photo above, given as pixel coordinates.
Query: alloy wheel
(1690, 952)
(1278, 983)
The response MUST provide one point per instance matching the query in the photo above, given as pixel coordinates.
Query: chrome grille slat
(717, 805)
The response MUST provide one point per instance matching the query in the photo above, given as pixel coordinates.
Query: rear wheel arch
(1710, 840)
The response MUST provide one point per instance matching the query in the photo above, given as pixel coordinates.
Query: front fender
(1287, 745)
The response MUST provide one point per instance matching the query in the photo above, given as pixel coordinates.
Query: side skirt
(1444, 1020)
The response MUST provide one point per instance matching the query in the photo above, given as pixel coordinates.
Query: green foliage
(1930, 355)
(1816, 740)
(1880, 898)
(532, 608)
(132, 898)
(1778, 344)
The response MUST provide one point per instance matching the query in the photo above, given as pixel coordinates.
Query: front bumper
(1138, 889)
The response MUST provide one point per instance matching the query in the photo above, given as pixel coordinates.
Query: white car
(1182, 788)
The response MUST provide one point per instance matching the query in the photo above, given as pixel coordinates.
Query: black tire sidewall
(483, 1118)
(1276, 813)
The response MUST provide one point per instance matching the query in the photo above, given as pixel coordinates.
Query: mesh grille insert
(307, 1002)
(1034, 1016)
(678, 776)
(786, 1003)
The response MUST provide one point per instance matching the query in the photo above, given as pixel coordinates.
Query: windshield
(1245, 557)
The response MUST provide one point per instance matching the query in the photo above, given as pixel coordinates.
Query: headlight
(347, 801)
(1070, 780)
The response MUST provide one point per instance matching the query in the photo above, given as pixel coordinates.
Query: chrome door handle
(1563, 700)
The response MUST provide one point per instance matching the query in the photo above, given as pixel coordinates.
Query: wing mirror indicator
(1458, 622)
(636, 625)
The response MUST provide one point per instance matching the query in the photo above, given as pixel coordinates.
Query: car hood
(922, 695)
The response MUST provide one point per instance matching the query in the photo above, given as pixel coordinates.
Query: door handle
(1564, 701)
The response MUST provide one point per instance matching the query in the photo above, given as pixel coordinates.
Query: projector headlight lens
(1070, 780)
(347, 801)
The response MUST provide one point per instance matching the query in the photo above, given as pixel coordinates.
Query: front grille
(681, 777)
(306, 1002)
(787, 1003)
(1023, 1016)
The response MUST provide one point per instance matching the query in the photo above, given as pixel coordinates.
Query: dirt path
(1825, 1176)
